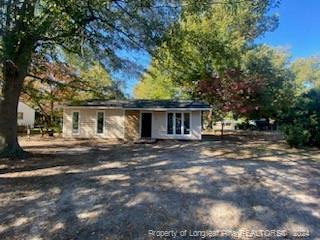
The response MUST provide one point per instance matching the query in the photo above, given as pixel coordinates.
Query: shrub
(295, 135)
(301, 124)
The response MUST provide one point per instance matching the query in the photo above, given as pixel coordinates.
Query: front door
(146, 123)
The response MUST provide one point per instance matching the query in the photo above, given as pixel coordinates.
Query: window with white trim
(100, 122)
(178, 123)
(75, 122)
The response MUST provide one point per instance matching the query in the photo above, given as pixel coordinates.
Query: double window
(75, 122)
(100, 122)
(178, 123)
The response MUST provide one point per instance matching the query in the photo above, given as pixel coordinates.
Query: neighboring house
(134, 119)
(25, 115)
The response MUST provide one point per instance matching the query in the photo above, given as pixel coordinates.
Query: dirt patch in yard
(112, 190)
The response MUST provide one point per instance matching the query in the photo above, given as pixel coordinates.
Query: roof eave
(140, 109)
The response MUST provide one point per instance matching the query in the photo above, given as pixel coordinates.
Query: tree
(156, 84)
(47, 85)
(307, 73)
(96, 82)
(51, 83)
(103, 27)
(214, 58)
(216, 42)
(273, 81)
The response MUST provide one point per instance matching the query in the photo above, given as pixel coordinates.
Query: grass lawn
(111, 190)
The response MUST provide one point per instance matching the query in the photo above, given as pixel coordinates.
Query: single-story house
(25, 115)
(134, 119)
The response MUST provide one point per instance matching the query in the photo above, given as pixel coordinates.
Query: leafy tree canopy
(156, 84)
(214, 58)
(307, 72)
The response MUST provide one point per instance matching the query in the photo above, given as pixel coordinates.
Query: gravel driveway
(109, 190)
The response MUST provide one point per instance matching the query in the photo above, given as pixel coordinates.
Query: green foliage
(307, 73)
(217, 49)
(157, 85)
(295, 135)
(269, 67)
(301, 124)
(200, 47)
(94, 78)
(95, 26)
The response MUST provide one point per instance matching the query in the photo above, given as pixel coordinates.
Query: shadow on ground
(100, 190)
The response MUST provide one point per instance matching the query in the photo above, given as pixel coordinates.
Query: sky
(299, 28)
(298, 31)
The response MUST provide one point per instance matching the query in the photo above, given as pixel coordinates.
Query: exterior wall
(113, 123)
(125, 124)
(159, 126)
(67, 123)
(132, 124)
(28, 115)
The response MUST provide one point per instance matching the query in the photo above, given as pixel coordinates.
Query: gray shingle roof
(140, 104)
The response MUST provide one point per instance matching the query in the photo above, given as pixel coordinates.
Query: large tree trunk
(17, 47)
(16, 63)
(12, 86)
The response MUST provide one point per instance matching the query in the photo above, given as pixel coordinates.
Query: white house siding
(113, 123)
(28, 115)
(159, 126)
(67, 123)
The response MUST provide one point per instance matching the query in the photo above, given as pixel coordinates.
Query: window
(178, 123)
(170, 123)
(186, 123)
(20, 115)
(75, 122)
(100, 122)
